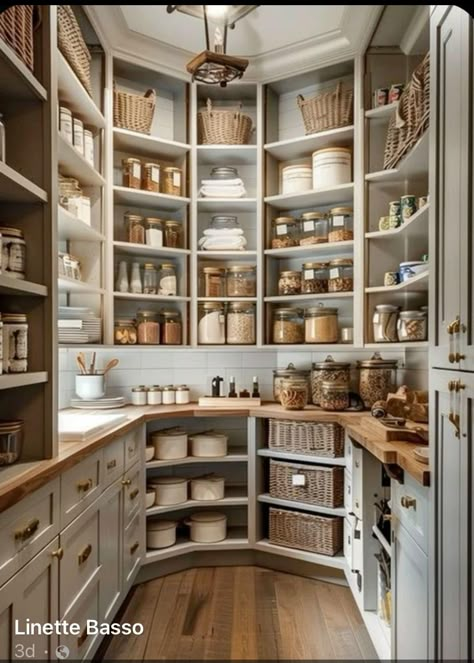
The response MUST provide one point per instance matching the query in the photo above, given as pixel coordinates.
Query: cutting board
(405, 433)
(225, 401)
(82, 427)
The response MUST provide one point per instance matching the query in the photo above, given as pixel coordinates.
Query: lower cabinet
(110, 523)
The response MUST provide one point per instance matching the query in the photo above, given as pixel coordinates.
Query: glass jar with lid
(173, 234)
(289, 283)
(151, 177)
(313, 228)
(172, 177)
(13, 248)
(341, 224)
(290, 372)
(135, 228)
(211, 325)
(241, 281)
(334, 396)
(15, 342)
(125, 331)
(285, 232)
(377, 378)
(341, 275)
(148, 327)
(314, 278)
(150, 279)
(288, 326)
(321, 325)
(154, 232)
(224, 222)
(328, 370)
(384, 323)
(212, 282)
(412, 326)
(294, 394)
(171, 327)
(241, 323)
(132, 173)
(224, 173)
(167, 284)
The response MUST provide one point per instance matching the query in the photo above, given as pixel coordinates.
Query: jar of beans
(151, 177)
(213, 282)
(313, 228)
(341, 275)
(132, 173)
(314, 278)
(148, 328)
(289, 283)
(285, 232)
(334, 396)
(240, 323)
(288, 325)
(172, 181)
(135, 228)
(241, 281)
(171, 327)
(341, 224)
(173, 234)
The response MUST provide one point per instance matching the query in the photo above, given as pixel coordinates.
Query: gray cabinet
(110, 518)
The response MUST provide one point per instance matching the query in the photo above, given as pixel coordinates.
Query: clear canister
(314, 278)
(150, 279)
(171, 327)
(289, 283)
(167, 283)
(241, 281)
(132, 173)
(125, 331)
(154, 232)
(280, 374)
(148, 328)
(384, 323)
(288, 325)
(173, 234)
(211, 325)
(313, 228)
(135, 228)
(412, 326)
(151, 177)
(172, 180)
(212, 282)
(321, 324)
(241, 323)
(334, 396)
(328, 370)
(285, 232)
(341, 224)
(377, 378)
(294, 394)
(341, 275)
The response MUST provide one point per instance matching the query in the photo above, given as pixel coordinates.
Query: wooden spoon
(80, 363)
(111, 364)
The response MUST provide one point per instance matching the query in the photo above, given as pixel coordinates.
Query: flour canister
(207, 488)
(207, 526)
(160, 533)
(208, 444)
(296, 178)
(170, 490)
(170, 444)
(331, 167)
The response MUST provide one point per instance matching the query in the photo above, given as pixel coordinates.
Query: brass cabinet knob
(28, 531)
(455, 357)
(84, 485)
(456, 385)
(126, 482)
(408, 502)
(59, 554)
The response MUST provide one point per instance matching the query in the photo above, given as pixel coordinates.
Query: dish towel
(227, 239)
(222, 188)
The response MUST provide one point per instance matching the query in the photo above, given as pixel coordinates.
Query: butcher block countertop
(17, 481)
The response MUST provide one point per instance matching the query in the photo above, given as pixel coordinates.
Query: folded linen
(223, 183)
(222, 243)
(222, 232)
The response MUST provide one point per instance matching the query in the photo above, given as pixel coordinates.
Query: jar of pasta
(241, 323)
(314, 278)
(172, 180)
(173, 234)
(132, 173)
(289, 283)
(288, 326)
(135, 228)
(148, 328)
(171, 327)
(294, 394)
(213, 282)
(125, 332)
(151, 177)
(285, 232)
(321, 325)
(341, 224)
(313, 228)
(341, 275)
(241, 281)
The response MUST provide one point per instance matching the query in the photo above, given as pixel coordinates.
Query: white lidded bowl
(207, 526)
(170, 490)
(208, 444)
(296, 178)
(161, 533)
(331, 167)
(207, 488)
(150, 497)
(149, 453)
(170, 444)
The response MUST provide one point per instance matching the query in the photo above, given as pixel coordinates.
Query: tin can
(395, 92)
(381, 96)
(408, 205)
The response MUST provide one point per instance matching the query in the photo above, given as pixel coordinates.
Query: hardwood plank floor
(242, 613)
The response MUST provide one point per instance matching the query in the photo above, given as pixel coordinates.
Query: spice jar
(154, 232)
(169, 395)
(154, 395)
(412, 326)
(377, 378)
(78, 134)
(290, 372)
(182, 395)
(334, 396)
(241, 323)
(328, 371)
(341, 224)
(139, 395)
(15, 343)
(384, 323)
(65, 123)
(172, 181)
(171, 327)
(313, 228)
(148, 328)
(285, 232)
(288, 326)
(341, 275)
(125, 331)
(289, 283)
(135, 228)
(151, 177)
(167, 280)
(150, 279)
(213, 282)
(173, 234)
(320, 325)
(211, 326)
(294, 394)
(314, 279)
(131, 173)
(89, 147)
(13, 252)
(241, 281)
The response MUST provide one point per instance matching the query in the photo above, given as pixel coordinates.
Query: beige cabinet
(111, 528)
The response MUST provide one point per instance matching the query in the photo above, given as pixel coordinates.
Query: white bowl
(90, 386)
(150, 498)
(149, 453)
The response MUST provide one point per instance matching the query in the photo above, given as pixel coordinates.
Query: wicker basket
(327, 110)
(72, 45)
(16, 30)
(306, 437)
(323, 486)
(306, 531)
(134, 111)
(223, 127)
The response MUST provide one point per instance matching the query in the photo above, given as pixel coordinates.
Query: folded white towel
(222, 192)
(223, 183)
(222, 232)
(222, 243)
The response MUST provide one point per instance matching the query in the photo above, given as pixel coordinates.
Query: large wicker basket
(72, 45)
(134, 111)
(223, 126)
(306, 531)
(327, 110)
(16, 30)
(323, 485)
(306, 437)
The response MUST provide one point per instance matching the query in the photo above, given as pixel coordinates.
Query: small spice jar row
(318, 278)
(73, 130)
(391, 325)
(149, 279)
(13, 343)
(232, 325)
(400, 211)
(313, 228)
(156, 395)
(232, 281)
(150, 328)
(151, 176)
(13, 252)
(153, 231)
(315, 324)
(72, 198)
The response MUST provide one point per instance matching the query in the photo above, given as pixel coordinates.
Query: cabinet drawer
(27, 527)
(80, 646)
(113, 461)
(132, 549)
(132, 493)
(80, 486)
(133, 446)
(80, 561)
(410, 507)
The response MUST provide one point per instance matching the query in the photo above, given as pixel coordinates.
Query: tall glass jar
(328, 371)
(313, 228)
(321, 325)
(173, 234)
(377, 378)
(341, 275)
(135, 228)
(167, 284)
(150, 279)
(132, 173)
(211, 325)
(171, 327)
(212, 282)
(288, 326)
(172, 180)
(154, 232)
(342, 224)
(148, 328)
(314, 278)
(241, 281)
(15, 343)
(151, 177)
(241, 323)
(285, 232)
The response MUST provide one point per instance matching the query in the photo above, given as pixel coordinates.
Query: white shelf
(127, 248)
(321, 197)
(11, 381)
(304, 298)
(73, 93)
(138, 198)
(414, 164)
(296, 148)
(14, 188)
(72, 228)
(227, 255)
(236, 540)
(236, 455)
(382, 540)
(303, 506)
(381, 111)
(74, 287)
(234, 496)
(317, 347)
(226, 205)
(227, 155)
(148, 146)
(336, 562)
(301, 458)
(416, 226)
(409, 345)
(12, 286)
(227, 299)
(418, 283)
(149, 298)
(73, 164)
(318, 250)
(18, 82)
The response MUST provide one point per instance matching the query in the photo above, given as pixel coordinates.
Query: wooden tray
(225, 401)
(407, 433)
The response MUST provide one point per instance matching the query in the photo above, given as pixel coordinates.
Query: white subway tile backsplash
(224, 360)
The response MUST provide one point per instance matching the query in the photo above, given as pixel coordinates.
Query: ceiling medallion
(215, 67)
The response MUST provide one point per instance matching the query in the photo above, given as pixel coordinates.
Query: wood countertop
(17, 481)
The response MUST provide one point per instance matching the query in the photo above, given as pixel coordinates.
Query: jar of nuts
(289, 283)
(285, 232)
(376, 379)
(125, 332)
(294, 394)
(151, 177)
(288, 326)
(314, 278)
(328, 371)
(132, 173)
(172, 180)
(341, 275)
(313, 228)
(321, 325)
(341, 224)
(135, 228)
(334, 396)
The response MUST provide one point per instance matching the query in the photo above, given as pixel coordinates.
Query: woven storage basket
(306, 437)
(72, 45)
(16, 30)
(134, 111)
(323, 486)
(223, 127)
(327, 110)
(306, 531)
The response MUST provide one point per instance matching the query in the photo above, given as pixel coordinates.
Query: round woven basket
(223, 127)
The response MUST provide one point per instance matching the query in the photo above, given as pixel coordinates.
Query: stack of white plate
(98, 403)
(77, 324)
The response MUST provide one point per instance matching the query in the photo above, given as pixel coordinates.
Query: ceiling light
(231, 13)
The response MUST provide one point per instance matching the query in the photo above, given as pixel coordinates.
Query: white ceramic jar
(169, 395)
(150, 497)
(89, 147)
(160, 533)
(331, 167)
(154, 395)
(296, 178)
(65, 123)
(207, 526)
(208, 444)
(182, 395)
(139, 395)
(170, 490)
(207, 488)
(78, 134)
(170, 444)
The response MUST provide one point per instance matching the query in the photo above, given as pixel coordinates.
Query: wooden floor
(242, 613)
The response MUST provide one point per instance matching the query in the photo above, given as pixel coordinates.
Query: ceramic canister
(207, 526)
(408, 205)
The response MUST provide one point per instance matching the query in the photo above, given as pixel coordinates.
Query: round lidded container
(135, 228)
(11, 441)
(207, 488)
(212, 282)
(331, 167)
(288, 325)
(342, 224)
(169, 490)
(241, 281)
(328, 370)
(78, 134)
(207, 526)
(321, 324)
(296, 178)
(173, 234)
(377, 378)
(241, 323)
(412, 326)
(151, 177)
(290, 372)
(13, 252)
(148, 328)
(224, 173)
(313, 228)
(170, 444)
(154, 395)
(160, 533)
(294, 394)
(172, 180)
(154, 232)
(211, 326)
(289, 283)
(139, 395)
(89, 147)
(125, 331)
(284, 232)
(384, 322)
(341, 275)
(334, 396)
(314, 278)
(169, 395)
(171, 327)
(149, 496)
(208, 444)
(15, 343)
(182, 394)
(132, 173)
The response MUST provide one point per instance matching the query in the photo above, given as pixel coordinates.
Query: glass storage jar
(384, 323)
(173, 234)
(314, 278)
(15, 343)
(224, 173)
(125, 331)
(211, 325)
(341, 275)
(289, 283)
(241, 323)
(13, 247)
(212, 282)
(132, 173)
(135, 228)
(321, 325)
(148, 328)
(171, 327)
(151, 177)
(288, 325)
(150, 279)
(334, 396)
(154, 232)
(313, 228)
(328, 371)
(294, 394)
(412, 326)
(172, 180)
(167, 284)
(241, 281)
(285, 232)
(280, 374)
(341, 224)
(377, 378)
(11, 441)
(224, 222)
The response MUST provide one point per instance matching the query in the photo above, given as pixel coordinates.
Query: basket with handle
(306, 437)
(134, 111)
(72, 45)
(218, 126)
(16, 30)
(305, 531)
(327, 110)
(313, 484)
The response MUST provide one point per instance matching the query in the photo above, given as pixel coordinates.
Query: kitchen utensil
(92, 364)
(110, 364)
(81, 365)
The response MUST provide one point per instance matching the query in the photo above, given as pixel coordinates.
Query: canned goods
(408, 206)
(381, 96)
(395, 92)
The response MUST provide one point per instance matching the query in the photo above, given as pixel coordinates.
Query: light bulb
(217, 11)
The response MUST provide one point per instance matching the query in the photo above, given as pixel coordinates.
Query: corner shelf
(301, 458)
(304, 298)
(73, 93)
(415, 226)
(296, 148)
(294, 201)
(414, 164)
(236, 455)
(418, 283)
(236, 540)
(128, 248)
(337, 561)
(234, 496)
(13, 380)
(73, 287)
(227, 204)
(73, 164)
(11, 286)
(381, 111)
(148, 146)
(152, 298)
(138, 198)
(309, 250)
(15, 188)
(302, 506)
(224, 155)
(18, 82)
(72, 228)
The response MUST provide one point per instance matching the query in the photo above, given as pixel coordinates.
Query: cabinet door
(110, 550)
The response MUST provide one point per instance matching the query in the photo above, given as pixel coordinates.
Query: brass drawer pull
(59, 554)
(126, 482)
(454, 419)
(408, 502)
(134, 493)
(84, 485)
(454, 327)
(28, 531)
(84, 554)
(455, 357)
(131, 450)
(82, 638)
(134, 548)
(111, 464)
(456, 385)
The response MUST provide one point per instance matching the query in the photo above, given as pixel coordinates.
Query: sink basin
(81, 427)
